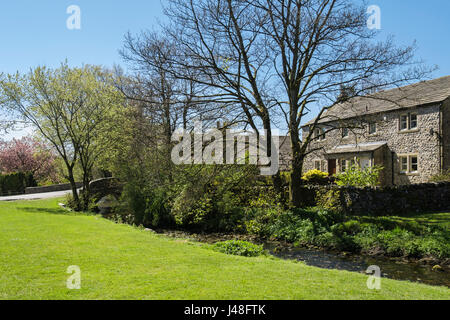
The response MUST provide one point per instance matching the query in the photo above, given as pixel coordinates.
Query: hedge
(15, 183)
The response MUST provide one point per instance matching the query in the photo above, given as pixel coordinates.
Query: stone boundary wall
(429, 197)
(53, 188)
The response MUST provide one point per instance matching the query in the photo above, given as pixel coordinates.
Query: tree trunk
(73, 185)
(295, 183)
(276, 179)
(86, 192)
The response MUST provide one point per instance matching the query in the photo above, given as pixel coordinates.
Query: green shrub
(70, 202)
(441, 177)
(292, 227)
(355, 176)
(402, 243)
(217, 199)
(351, 227)
(329, 200)
(258, 221)
(315, 177)
(148, 207)
(239, 248)
(330, 229)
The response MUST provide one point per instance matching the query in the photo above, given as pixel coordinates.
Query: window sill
(409, 131)
(410, 174)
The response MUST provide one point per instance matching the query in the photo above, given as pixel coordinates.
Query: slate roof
(356, 148)
(418, 94)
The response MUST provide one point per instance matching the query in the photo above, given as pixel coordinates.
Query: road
(36, 196)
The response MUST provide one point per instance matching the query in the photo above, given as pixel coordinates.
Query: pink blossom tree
(28, 155)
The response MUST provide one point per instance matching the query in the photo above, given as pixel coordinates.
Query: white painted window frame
(409, 162)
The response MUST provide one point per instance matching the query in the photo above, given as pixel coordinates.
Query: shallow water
(391, 269)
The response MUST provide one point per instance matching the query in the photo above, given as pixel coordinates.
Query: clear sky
(34, 32)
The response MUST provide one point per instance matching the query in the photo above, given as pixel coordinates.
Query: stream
(392, 269)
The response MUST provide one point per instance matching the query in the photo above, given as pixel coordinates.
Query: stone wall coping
(380, 189)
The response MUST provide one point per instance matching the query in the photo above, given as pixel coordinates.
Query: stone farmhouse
(405, 130)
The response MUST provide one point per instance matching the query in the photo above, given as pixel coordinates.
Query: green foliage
(258, 221)
(304, 227)
(329, 200)
(147, 207)
(15, 183)
(239, 248)
(70, 108)
(293, 228)
(356, 176)
(441, 177)
(213, 198)
(315, 177)
(285, 177)
(72, 204)
(401, 242)
(331, 229)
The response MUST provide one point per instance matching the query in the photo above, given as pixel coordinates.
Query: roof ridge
(406, 86)
(417, 94)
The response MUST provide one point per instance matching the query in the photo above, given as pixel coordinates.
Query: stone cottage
(405, 130)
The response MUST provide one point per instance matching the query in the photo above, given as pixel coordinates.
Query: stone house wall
(445, 114)
(422, 142)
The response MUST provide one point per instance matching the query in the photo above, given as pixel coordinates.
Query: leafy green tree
(68, 107)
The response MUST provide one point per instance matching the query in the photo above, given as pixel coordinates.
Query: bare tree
(283, 59)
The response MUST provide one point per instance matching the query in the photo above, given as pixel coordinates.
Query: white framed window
(343, 165)
(409, 164)
(317, 165)
(404, 164)
(404, 122)
(413, 121)
(413, 164)
(372, 127)
(320, 134)
(408, 122)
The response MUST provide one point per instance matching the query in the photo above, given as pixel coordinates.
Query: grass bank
(39, 241)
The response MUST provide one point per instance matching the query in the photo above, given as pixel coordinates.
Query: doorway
(332, 165)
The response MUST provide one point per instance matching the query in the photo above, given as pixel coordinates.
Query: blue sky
(34, 32)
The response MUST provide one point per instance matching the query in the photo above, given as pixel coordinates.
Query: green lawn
(429, 219)
(39, 241)
(440, 219)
